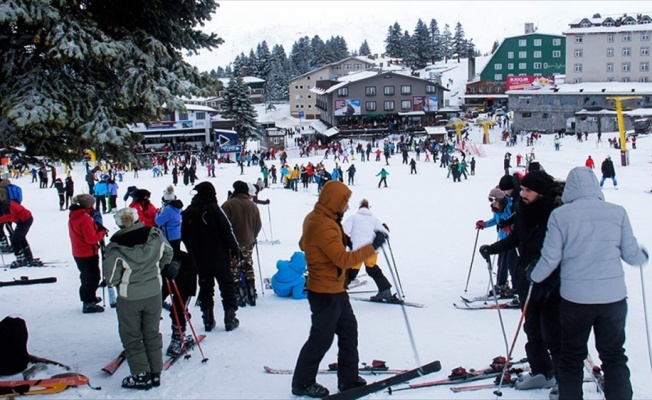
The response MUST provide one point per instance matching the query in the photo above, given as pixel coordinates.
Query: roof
(246, 79)
(362, 59)
(603, 88)
(197, 107)
(363, 75)
(609, 29)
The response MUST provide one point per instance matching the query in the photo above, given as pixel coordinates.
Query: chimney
(529, 28)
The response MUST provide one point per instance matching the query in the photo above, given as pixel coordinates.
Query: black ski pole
(391, 253)
(472, 258)
(260, 272)
(187, 314)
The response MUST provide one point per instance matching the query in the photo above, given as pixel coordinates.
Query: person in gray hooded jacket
(586, 239)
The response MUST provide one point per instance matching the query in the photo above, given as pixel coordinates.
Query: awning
(435, 130)
(411, 113)
(318, 126)
(330, 132)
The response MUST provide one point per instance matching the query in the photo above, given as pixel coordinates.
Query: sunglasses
(493, 199)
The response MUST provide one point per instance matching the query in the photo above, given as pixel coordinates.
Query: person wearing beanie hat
(361, 228)
(208, 236)
(506, 183)
(608, 172)
(85, 236)
(146, 210)
(538, 200)
(246, 222)
(501, 206)
(135, 260)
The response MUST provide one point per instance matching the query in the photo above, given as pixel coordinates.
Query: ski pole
(269, 216)
(468, 278)
(391, 253)
(405, 317)
(647, 326)
(176, 318)
(260, 273)
(497, 392)
(192, 328)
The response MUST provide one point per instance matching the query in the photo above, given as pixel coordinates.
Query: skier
(12, 211)
(322, 241)
(361, 228)
(61, 191)
(135, 259)
(100, 191)
(608, 171)
(351, 174)
(589, 163)
(146, 210)
(383, 177)
(207, 234)
(472, 163)
(85, 235)
(246, 223)
(70, 190)
(413, 166)
(112, 192)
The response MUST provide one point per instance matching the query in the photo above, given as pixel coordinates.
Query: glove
(385, 226)
(349, 243)
(103, 283)
(484, 252)
(530, 268)
(101, 228)
(379, 240)
(171, 270)
(480, 224)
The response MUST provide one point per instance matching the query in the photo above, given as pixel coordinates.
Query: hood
(298, 262)
(334, 196)
(178, 204)
(581, 182)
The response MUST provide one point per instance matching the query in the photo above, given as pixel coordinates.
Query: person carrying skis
(586, 239)
(136, 259)
(245, 220)
(207, 234)
(383, 177)
(322, 241)
(540, 195)
(361, 228)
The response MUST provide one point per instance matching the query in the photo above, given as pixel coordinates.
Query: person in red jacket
(146, 211)
(13, 212)
(85, 235)
(589, 163)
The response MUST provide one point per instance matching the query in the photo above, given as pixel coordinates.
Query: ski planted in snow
(377, 386)
(596, 373)
(190, 344)
(460, 375)
(486, 306)
(55, 384)
(488, 298)
(27, 281)
(113, 366)
(405, 303)
(376, 367)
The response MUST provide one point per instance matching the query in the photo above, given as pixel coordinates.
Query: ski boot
(383, 295)
(241, 296)
(251, 293)
(20, 261)
(176, 343)
(5, 247)
(156, 379)
(142, 381)
(230, 321)
(209, 319)
(90, 308)
(359, 382)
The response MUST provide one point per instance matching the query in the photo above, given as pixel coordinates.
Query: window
(545, 115)
(338, 67)
(498, 77)
(183, 116)
(300, 86)
(626, 67)
(611, 79)
(645, 66)
(645, 51)
(627, 37)
(406, 89)
(578, 80)
(537, 54)
(568, 100)
(579, 39)
(556, 42)
(370, 91)
(627, 51)
(608, 23)
(510, 66)
(522, 65)
(200, 116)
(610, 67)
(537, 65)
(431, 89)
(545, 65)
(522, 42)
(578, 53)
(645, 36)
(510, 54)
(610, 38)
(498, 66)
(547, 100)
(490, 89)
(356, 66)
(389, 105)
(585, 24)
(343, 92)
(578, 67)
(406, 105)
(626, 79)
(522, 54)
(389, 91)
(526, 115)
(537, 42)
(556, 53)
(643, 79)
(370, 105)
(610, 52)
(347, 66)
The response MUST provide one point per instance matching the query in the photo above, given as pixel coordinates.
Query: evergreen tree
(447, 43)
(276, 86)
(75, 74)
(407, 49)
(435, 36)
(237, 105)
(495, 47)
(263, 61)
(364, 49)
(459, 45)
(421, 45)
(338, 48)
(320, 56)
(252, 64)
(394, 41)
(300, 56)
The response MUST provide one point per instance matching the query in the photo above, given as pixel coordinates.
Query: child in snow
(290, 280)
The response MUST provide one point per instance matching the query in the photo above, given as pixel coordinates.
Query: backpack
(15, 192)
(13, 342)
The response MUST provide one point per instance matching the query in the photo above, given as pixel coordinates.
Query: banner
(530, 82)
(347, 107)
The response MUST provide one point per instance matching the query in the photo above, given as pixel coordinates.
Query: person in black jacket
(208, 236)
(58, 184)
(540, 195)
(608, 172)
(70, 190)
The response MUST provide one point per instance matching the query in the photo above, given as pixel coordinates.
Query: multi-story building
(606, 49)
(530, 54)
(256, 88)
(302, 100)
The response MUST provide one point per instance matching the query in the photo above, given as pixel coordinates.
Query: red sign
(530, 82)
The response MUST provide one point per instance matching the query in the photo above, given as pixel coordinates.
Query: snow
(432, 237)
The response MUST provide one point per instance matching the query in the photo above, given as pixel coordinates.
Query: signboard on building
(230, 149)
(530, 82)
(425, 103)
(347, 107)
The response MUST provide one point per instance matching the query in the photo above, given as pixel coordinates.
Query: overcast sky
(243, 24)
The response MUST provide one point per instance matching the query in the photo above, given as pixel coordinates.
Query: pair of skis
(55, 384)
(27, 281)
(376, 367)
(505, 301)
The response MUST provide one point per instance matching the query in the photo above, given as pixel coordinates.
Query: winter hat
(252, 189)
(538, 181)
(85, 200)
(168, 194)
(142, 194)
(497, 193)
(534, 166)
(240, 187)
(126, 217)
(506, 183)
(364, 203)
(205, 188)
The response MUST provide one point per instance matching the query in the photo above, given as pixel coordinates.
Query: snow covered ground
(432, 238)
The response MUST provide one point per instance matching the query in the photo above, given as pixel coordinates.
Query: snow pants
(89, 275)
(138, 326)
(543, 331)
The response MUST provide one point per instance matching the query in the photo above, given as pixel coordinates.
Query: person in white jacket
(361, 228)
